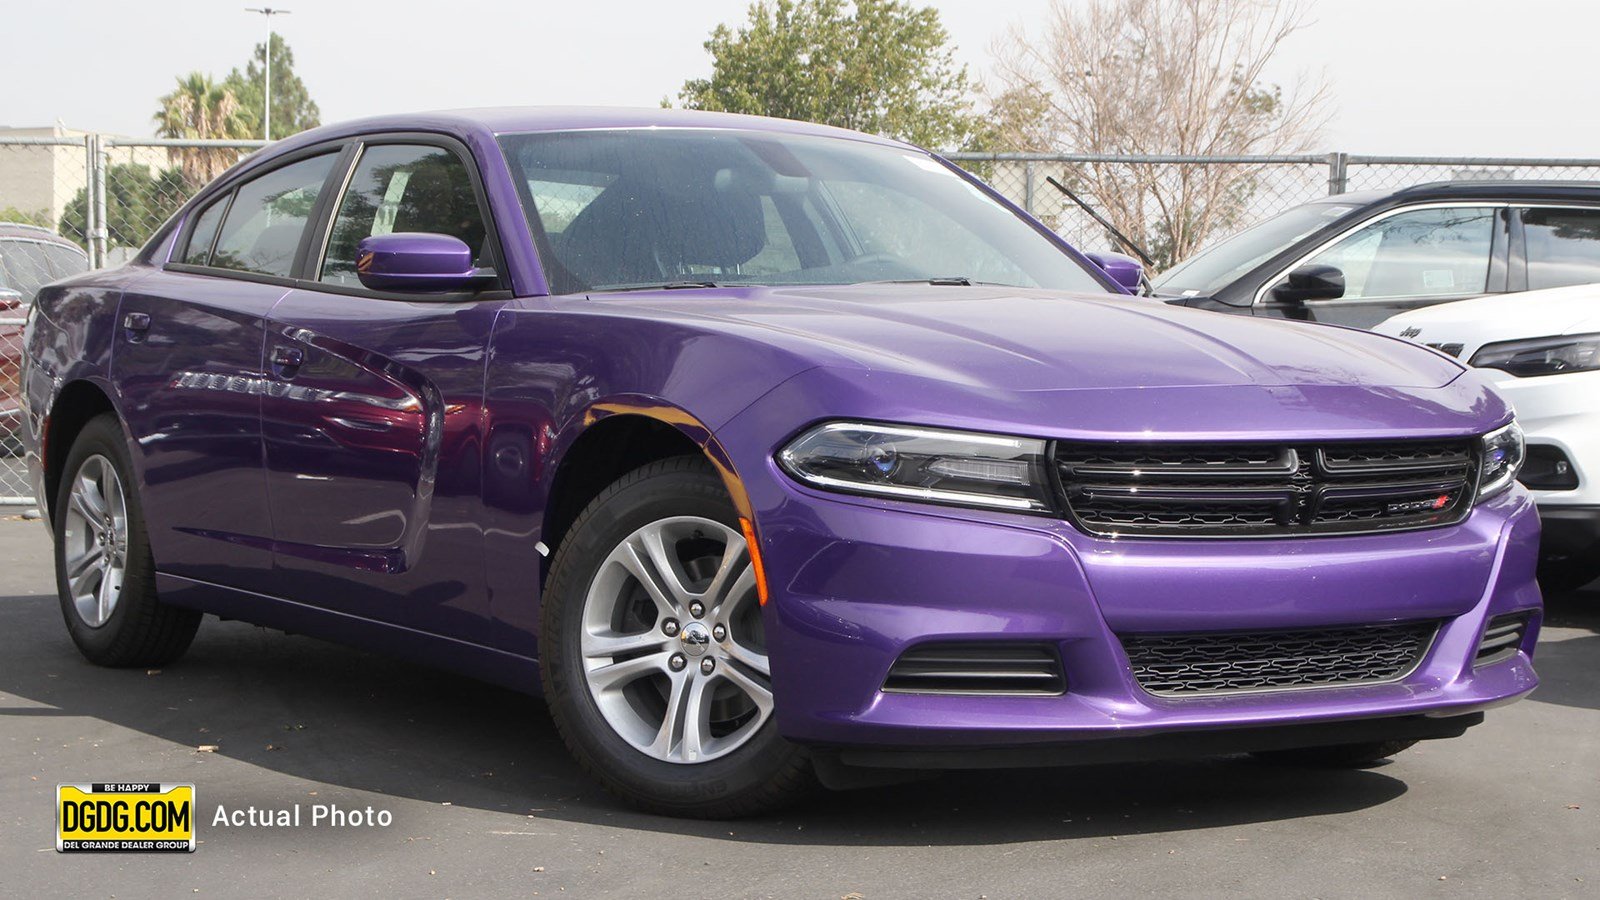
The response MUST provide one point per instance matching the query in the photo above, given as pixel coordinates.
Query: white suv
(1542, 349)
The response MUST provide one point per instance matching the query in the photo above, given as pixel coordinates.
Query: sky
(1418, 77)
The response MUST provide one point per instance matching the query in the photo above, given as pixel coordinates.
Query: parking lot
(485, 801)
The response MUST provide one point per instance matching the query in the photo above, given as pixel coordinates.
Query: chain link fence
(1176, 205)
(107, 195)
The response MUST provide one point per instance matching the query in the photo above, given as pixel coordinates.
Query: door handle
(286, 359)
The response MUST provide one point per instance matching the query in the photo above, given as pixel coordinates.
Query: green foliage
(137, 203)
(293, 110)
(879, 66)
(40, 217)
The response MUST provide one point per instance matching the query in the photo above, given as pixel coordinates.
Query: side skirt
(520, 673)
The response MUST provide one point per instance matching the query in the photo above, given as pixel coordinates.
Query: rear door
(188, 366)
(1404, 259)
(373, 422)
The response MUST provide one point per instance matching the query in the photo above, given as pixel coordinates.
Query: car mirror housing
(418, 262)
(1310, 283)
(1124, 270)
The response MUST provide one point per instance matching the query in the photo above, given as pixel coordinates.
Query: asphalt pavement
(485, 802)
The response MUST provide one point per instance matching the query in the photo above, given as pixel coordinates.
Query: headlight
(1542, 356)
(1501, 460)
(931, 465)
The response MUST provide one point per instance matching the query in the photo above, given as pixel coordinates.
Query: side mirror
(413, 261)
(1310, 283)
(1124, 270)
(10, 299)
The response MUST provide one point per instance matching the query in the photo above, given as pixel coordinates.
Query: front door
(373, 424)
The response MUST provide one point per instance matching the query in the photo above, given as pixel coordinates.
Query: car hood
(1020, 340)
(1500, 317)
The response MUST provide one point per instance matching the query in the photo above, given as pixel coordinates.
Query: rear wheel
(105, 575)
(653, 653)
(1340, 756)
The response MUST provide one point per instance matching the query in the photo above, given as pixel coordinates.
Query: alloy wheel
(672, 646)
(96, 549)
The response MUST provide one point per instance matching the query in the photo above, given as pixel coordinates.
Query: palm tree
(201, 109)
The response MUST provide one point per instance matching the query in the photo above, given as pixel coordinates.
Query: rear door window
(198, 251)
(1562, 246)
(264, 225)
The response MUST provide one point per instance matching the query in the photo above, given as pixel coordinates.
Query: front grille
(1187, 665)
(977, 668)
(1264, 490)
(1501, 639)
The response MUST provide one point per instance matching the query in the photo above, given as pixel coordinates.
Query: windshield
(1212, 269)
(632, 208)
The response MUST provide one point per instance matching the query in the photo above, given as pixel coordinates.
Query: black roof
(1502, 189)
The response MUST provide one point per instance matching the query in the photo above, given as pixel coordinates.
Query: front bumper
(855, 582)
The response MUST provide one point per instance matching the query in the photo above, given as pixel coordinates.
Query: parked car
(1542, 350)
(1357, 259)
(30, 256)
(774, 454)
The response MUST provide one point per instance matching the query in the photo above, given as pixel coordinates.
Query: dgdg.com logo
(125, 816)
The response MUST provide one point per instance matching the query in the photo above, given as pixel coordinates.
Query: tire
(129, 625)
(593, 597)
(1567, 575)
(1340, 756)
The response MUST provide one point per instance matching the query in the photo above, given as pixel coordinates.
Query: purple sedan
(775, 455)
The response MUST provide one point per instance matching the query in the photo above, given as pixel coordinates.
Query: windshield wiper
(667, 286)
(943, 281)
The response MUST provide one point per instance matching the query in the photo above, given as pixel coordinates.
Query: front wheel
(653, 653)
(104, 571)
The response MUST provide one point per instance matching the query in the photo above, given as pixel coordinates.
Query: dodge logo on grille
(1415, 506)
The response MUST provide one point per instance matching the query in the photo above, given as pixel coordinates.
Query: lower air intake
(1189, 665)
(1501, 639)
(997, 668)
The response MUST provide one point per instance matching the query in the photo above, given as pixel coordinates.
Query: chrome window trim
(1268, 284)
(315, 275)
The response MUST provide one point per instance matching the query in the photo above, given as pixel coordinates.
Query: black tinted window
(205, 231)
(399, 188)
(268, 216)
(1563, 246)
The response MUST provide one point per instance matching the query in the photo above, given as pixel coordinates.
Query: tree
(1179, 77)
(137, 203)
(293, 110)
(40, 217)
(880, 66)
(201, 109)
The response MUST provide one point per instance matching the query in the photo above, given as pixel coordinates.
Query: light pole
(266, 90)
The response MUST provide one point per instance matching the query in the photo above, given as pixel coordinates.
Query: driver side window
(1421, 253)
(401, 188)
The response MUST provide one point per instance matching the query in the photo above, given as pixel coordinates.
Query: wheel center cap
(696, 639)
